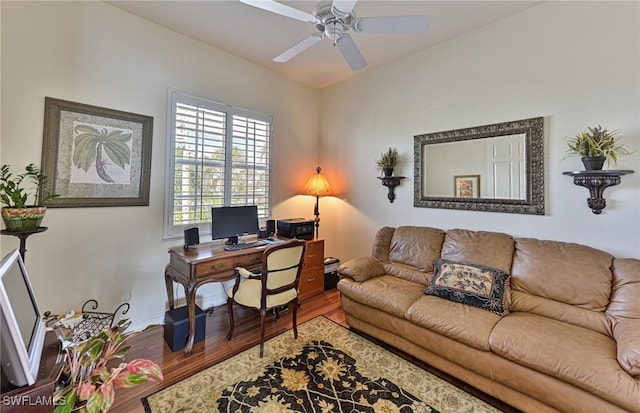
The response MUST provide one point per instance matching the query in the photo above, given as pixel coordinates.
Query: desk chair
(275, 286)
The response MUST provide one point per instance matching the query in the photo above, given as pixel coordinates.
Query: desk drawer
(228, 264)
(311, 282)
(314, 254)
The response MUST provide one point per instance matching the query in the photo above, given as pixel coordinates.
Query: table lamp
(318, 186)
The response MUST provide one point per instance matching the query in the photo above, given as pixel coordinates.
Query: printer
(295, 228)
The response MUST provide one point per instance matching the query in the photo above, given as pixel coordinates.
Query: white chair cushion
(249, 292)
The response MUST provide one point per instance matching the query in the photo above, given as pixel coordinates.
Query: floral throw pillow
(477, 285)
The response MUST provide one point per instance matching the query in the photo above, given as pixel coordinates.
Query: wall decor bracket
(596, 182)
(391, 182)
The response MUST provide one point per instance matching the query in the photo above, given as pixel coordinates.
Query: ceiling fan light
(333, 30)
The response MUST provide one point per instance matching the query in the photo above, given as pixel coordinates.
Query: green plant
(596, 141)
(14, 193)
(91, 375)
(388, 159)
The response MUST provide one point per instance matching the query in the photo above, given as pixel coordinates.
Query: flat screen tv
(233, 221)
(22, 327)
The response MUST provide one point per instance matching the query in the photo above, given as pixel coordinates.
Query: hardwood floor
(176, 366)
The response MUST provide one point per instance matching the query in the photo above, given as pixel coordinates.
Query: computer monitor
(22, 327)
(234, 221)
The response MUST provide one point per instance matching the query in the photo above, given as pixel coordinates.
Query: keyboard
(244, 245)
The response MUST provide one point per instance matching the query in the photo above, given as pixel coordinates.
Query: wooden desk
(206, 263)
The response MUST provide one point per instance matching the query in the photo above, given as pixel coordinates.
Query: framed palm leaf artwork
(94, 156)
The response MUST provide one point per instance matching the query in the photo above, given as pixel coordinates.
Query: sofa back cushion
(417, 247)
(408, 252)
(565, 272)
(492, 249)
(564, 281)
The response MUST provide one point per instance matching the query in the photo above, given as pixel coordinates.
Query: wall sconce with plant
(387, 161)
(595, 146)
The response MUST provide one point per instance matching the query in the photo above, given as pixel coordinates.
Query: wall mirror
(497, 168)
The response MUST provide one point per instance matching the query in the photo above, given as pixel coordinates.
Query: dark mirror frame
(534, 157)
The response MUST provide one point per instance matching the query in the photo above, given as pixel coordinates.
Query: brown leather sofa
(571, 341)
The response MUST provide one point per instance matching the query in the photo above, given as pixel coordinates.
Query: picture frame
(94, 156)
(466, 186)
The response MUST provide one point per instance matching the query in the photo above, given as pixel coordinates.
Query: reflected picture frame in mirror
(525, 172)
(466, 186)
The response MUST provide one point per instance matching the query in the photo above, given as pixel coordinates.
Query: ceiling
(258, 36)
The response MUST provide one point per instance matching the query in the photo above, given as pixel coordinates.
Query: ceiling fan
(334, 20)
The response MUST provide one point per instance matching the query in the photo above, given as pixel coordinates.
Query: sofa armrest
(626, 332)
(361, 269)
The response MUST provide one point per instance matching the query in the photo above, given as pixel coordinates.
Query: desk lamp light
(317, 186)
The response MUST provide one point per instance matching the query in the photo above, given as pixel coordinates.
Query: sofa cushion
(386, 292)
(417, 247)
(485, 248)
(624, 312)
(573, 354)
(561, 271)
(529, 303)
(627, 335)
(409, 273)
(469, 325)
(381, 242)
(624, 302)
(477, 285)
(361, 268)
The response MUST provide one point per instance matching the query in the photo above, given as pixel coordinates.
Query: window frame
(175, 96)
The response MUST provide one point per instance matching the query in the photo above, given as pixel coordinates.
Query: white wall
(93, 53)
(575, 63)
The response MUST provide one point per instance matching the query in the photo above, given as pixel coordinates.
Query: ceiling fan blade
(351, 52)
(282, 9)
(306, 43)
(393, 24)
(343, 7)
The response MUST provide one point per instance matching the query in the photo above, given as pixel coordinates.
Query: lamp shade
(317, 185)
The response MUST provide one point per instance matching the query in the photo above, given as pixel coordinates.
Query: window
(218, 155)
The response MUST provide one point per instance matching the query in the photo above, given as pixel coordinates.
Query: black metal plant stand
(23, 235)
(92, 323)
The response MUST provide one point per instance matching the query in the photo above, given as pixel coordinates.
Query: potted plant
(18, 214)
(387, 161)
(595, 146)
(90, 374)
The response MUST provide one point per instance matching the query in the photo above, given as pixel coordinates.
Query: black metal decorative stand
(391, 182)
(23, 235)
(596, 182)
(92, 323)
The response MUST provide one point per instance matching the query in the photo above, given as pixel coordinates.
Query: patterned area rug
(328, 369)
